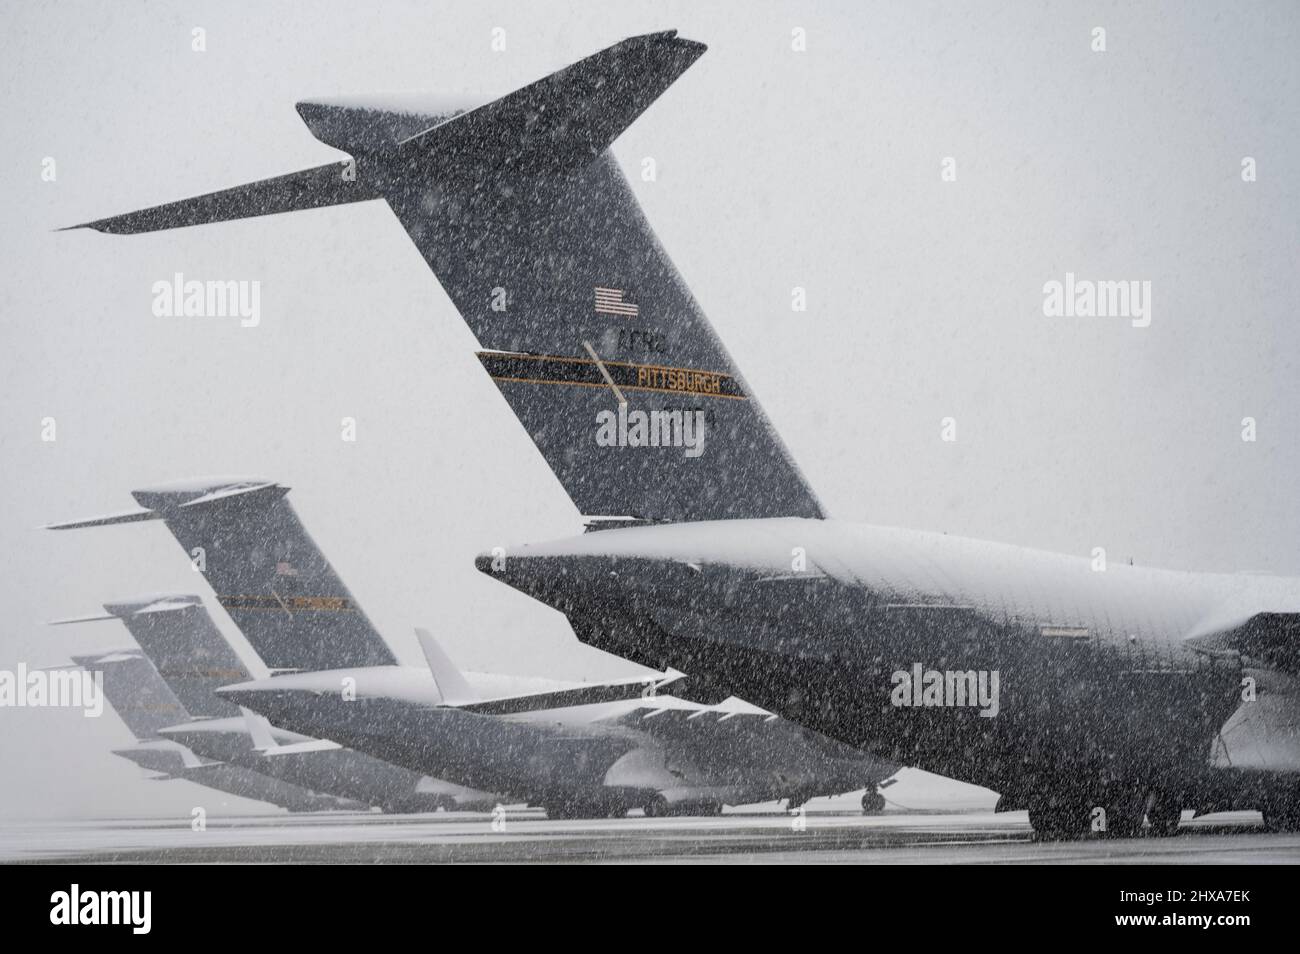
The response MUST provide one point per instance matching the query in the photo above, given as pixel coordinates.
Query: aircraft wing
(638, 687)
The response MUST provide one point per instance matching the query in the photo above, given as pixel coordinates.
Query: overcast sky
(777, 169)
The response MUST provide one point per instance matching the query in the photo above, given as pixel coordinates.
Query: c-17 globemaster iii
(1123, 696)
(406, 738)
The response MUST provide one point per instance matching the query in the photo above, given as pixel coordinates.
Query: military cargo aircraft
(578, 749)
(193, 658)
(145, 703)
(1120, 696)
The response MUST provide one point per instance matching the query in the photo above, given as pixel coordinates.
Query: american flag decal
(609, 301)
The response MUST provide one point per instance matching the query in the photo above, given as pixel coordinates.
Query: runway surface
(522, 836)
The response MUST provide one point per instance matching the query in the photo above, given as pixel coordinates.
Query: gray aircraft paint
(520, 198)
(618, 754)
(135, 690)
(142, 699)
(267, 572)
(563, 448)
(180, 637)
(492, 744)
(184, 645)
(340, 772)
(1106, 676)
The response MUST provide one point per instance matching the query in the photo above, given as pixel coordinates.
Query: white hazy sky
(818, 169)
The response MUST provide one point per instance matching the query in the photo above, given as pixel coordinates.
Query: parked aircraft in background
(145, 703)
(194, 658)
(576, 748)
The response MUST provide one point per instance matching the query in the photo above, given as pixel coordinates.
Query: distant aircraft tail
(135, 690)
(587, 328)
(268, 573)
(183, 643)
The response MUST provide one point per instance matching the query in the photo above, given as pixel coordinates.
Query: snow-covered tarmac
(521, 836)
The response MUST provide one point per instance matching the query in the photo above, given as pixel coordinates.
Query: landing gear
(1118, 812)
(656, 807)
(1125, 812)
(873, 803)
(1163, 815)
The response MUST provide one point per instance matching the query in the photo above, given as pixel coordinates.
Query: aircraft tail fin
(268, 573)
(185, 646)
(587, 328)
(136, 691)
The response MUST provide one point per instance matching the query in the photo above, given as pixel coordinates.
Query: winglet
(260, 729)
(451, 684)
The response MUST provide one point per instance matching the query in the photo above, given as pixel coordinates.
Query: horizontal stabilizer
(128, 516)
(186, 495)
(92, 618)
(369, 124)
(562, 121)
(139, 607)
(334, 183)
(267, 488)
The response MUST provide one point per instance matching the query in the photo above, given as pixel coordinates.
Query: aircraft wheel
(873, 803)
(1163, 816)
(656, 807)
(1125, 811)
